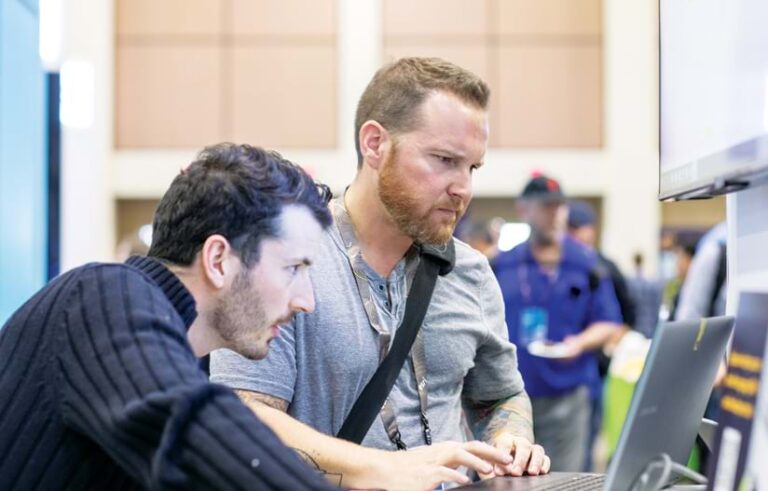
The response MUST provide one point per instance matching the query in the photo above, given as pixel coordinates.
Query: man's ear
(374, 142)
(218, 261)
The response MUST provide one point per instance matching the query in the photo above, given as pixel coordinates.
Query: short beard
(543, 239)
(236, 314)
(400, 201)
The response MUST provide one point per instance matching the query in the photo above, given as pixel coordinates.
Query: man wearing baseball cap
(560, 309)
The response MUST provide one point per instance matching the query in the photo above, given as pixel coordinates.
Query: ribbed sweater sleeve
(127, 379)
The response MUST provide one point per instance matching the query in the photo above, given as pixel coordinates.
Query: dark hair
(395, 94)
(237, 191)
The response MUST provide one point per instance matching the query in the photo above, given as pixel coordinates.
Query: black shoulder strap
(435, 260)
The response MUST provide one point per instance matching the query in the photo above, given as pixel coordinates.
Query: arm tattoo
(251, 398)
(332, 477)
(513, 415)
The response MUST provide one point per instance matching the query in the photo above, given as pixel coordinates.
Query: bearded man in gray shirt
(422, 130)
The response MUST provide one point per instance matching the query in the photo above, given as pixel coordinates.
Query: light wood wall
(192, 72)
(694, 214)
(542, 59)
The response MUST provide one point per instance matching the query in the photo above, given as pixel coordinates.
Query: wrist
(526, 434)
(372, 469)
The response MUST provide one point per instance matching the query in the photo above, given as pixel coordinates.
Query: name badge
(534, 323)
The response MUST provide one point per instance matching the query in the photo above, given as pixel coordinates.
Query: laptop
(664, 415)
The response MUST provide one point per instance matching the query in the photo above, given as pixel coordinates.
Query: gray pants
(561, 426)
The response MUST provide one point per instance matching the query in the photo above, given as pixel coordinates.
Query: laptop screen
(670, 397)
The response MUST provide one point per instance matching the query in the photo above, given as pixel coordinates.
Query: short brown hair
(398, 89)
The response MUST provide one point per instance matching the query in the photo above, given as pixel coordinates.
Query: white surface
(87, 206)
(714, 77)
(550, 350)
(748, 271)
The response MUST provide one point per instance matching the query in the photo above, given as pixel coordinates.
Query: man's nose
(303, 299)
(461, 187)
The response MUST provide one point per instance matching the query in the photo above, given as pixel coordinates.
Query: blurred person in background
(646, 293)
(683, 257)
(556, 291)
(484, 237)
(582, 226)
(702, 294)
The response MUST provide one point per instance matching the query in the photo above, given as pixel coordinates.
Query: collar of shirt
(386, 296)
(170, 284)
(345, 231)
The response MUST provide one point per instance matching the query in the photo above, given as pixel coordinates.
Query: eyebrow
(452, 154)
(446, 151)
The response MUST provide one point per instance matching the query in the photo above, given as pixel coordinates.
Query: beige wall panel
(430, 17)
(284, 96)
(693, 214)
(164, 17)
(284, 17)
(551, 17)
(167, 96)
(551, 96)
(132, 214)
(473, 56)
(494, 107)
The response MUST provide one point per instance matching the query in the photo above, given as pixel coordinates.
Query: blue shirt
(572, 301)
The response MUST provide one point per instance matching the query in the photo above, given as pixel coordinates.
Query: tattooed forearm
(308, 459)
(257, 402)
(513, 415)
(331, 477)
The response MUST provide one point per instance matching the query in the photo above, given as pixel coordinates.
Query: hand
(575, 345)
(426, 467)
(528, 458)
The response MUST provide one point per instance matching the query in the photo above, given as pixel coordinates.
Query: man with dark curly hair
(100, 379)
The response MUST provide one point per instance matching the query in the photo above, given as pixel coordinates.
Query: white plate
(550, 350)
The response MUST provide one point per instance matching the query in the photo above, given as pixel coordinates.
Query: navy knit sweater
(99, 389)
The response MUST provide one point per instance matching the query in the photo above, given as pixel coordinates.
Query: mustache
(286, 319)
(453, 204)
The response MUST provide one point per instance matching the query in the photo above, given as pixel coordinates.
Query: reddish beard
(400, 198)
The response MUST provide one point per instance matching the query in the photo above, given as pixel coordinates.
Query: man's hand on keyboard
(528, 458)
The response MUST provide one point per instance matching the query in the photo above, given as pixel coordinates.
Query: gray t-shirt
(322, 362)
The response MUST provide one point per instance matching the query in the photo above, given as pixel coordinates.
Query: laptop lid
(670, 397)
(665, 412)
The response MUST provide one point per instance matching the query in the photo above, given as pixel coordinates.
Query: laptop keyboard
(574, 483)
(557, 481)
(587, 482)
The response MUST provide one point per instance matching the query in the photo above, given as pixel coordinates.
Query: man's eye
(444, 159)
